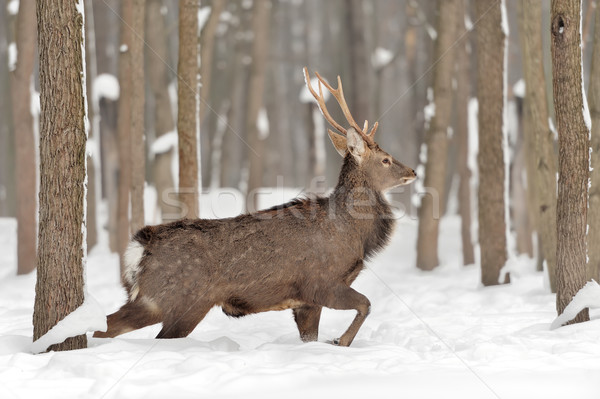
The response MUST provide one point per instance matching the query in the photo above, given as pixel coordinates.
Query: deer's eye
(386, 161)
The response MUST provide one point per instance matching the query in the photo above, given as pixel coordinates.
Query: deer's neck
(364, 209)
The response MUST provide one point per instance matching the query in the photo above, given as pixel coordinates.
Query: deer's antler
(339, 96)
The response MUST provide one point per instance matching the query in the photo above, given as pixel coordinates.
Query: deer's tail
(132, 258)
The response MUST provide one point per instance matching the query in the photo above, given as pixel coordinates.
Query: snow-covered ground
(430, 335)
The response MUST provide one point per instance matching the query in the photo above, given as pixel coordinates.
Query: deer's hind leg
(181, 324)
(132, 316)
(307, 319)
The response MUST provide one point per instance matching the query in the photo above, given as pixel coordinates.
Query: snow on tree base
(88, 317)
(587, 297)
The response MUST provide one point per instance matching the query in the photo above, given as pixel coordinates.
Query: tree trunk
(59, 289)
(207, 44)
(93, 159)
(463, 95)
(256, 88)
(358, 61)
(25, 165)
(187, 87)
(437, 138)
(491, 159)
(124, 127)
(138, 146)
(7, 145)
(540, 139)
(158, 80)
(593, 266)
(573, 153)
(107, 48)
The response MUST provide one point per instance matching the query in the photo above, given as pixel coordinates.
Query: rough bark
(25, 165)
(187, 86)
(207, 44)
(256, 88)
(539, 137)
(573, 153)
(164, 122)
(437, 138)
(593, 266)
(138, 145)
(124, 128)
(59, 287)
(492, 173)
(463, 95)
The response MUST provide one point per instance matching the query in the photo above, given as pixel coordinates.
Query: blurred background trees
(402, 65)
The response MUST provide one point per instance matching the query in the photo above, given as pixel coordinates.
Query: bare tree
(59, 288)
(25, 166)
(539, 137)
(7, 158)
(260, 52)
(124, 127)
(158, 81)
(187, 94)
(207, 44)
(437, 138)
(491, 163)
(93, 116)
(463, 95)
(359, 60)
(138, 146)
(593, 265)
(573, 153)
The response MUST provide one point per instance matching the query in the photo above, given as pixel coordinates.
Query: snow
(13, 7)
(468, 22)
(164, 143)
(305, 94)
(429, 109)
(519, 88)
(106, 86)
(203, 14)
(12, 56)
(429, 334)
(381, 57)
(431, 31)
(587, 297)
(88, 317)
(262, 124)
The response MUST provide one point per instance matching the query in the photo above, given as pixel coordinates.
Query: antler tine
(321, 102)
(366, 126)
(373, 129)
(339, 96)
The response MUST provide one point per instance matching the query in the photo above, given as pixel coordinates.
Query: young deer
(302, 255)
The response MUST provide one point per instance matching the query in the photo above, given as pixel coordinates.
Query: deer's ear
(339, 142)
(356, 144)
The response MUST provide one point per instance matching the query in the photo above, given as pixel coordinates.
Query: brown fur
(301, 255)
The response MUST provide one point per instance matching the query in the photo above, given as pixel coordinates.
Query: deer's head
(379, 167)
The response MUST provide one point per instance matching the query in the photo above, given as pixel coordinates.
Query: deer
(302, 255)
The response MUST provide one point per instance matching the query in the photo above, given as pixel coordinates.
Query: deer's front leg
(342, 297)
(307, 319)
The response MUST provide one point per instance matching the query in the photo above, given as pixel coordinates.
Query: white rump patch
(132, 257)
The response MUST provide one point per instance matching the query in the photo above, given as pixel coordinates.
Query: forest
(120, 114)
